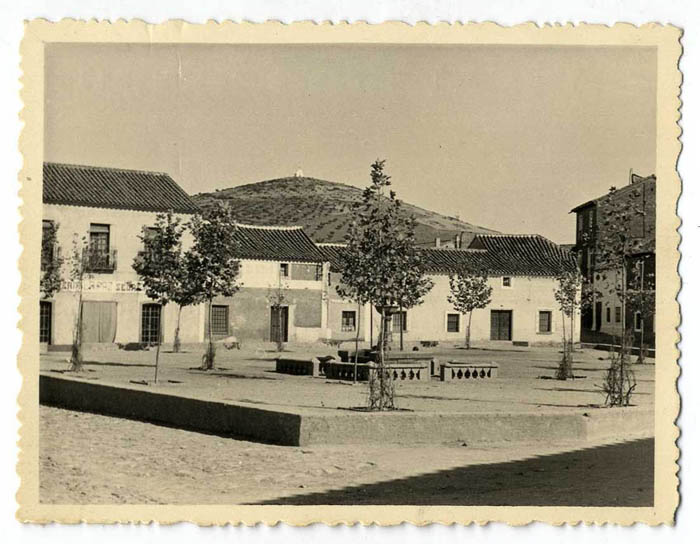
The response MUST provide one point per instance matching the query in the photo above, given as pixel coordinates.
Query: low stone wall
(141, 403)
(298, 367)
(300, 427)
(467, 371)
(336, 370)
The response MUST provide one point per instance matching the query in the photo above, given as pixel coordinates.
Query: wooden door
(279, 324)
(501, 324)
(598, 315)
(99, 322)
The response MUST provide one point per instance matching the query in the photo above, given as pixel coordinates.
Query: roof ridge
(270, 227)
(330, 244)
(113, 168)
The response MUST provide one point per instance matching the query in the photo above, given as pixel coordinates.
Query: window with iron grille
(452, 322)
(45, 322)
(150, 323)
(348, 321)
(507, 281)
(284, 270)
(545, 321)
(618, 314)
(398, 322)
(219, 320)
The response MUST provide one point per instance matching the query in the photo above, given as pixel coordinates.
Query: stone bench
(348, 356)
(338, 370)
(298, 367)
(464, 371)
(403, 371)
(429, 343)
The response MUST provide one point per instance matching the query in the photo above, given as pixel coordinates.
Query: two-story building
(605, 319)
(106, 209)
(283, 288)
(521, 271)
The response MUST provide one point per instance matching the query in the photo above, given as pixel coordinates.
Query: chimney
(437, 241)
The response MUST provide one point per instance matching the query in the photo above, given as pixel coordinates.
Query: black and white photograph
(335, 273)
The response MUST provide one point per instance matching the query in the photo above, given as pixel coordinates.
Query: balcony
(100, 261)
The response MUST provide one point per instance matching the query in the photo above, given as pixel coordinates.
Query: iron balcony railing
(100, 261)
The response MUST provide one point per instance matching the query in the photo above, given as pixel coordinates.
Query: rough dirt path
(88, 458)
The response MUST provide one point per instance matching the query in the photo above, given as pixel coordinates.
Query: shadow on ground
(614, 475)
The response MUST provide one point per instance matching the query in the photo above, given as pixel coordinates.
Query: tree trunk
(76, 359)
(209, 355)
(401, 318)
(155, 377)
(176, 340)
(382, 348)
(371, 327)
(357, 341)
(469, 332)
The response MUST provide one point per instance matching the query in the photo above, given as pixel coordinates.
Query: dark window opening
(150, 324)
(398, 322)
(545, 322)
(219, 320)
(452, 322)
(348, 321)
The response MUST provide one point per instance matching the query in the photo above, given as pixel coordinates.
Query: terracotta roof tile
(498, 255)
(98, 187)
(271, 243)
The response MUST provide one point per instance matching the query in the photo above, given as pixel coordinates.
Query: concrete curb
(307, 427)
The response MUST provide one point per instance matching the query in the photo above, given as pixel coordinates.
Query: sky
(507, 137)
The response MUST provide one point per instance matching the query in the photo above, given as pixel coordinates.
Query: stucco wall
(428, 321)
(125, 227)
(249, 314)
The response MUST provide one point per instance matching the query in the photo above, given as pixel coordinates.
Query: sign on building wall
(103, 286)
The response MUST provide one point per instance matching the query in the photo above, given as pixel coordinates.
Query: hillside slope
(323, 208)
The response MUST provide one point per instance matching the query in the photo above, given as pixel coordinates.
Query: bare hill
(323, 208)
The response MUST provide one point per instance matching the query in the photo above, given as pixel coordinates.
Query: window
(637, 321)
(452, 322)
(150, 324)
(45, 322)
(398, 322)
(579, 222)
(348, 322)
(607, 314)
(545, 322)
(219, 320)
(100, 258)
(507, 281)
(284, 270)
(618, 314)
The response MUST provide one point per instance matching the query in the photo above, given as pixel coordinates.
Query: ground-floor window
(45, 322)
(219, 320)
(607, 314)
(452, 322)
(618, 314)
(348, 321)
(398, 322)
(150, 323)
(545, 322)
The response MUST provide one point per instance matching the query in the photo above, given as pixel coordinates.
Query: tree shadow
(613, 475)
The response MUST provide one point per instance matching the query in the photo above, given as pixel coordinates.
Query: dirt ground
(524, 382)
(87, 458)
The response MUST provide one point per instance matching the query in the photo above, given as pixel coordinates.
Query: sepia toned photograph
(410, 271)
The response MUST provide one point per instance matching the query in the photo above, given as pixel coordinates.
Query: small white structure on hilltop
(299, 173)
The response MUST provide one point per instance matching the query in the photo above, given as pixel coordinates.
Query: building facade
(521, 271)
(283, 289)
(107, 209)
(605, 320)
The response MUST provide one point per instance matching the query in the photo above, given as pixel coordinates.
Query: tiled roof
(497, 255)
(277, 244)
(115, 188)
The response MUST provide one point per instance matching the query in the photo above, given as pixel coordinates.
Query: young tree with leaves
(382, 265)
(572, 293)
(617, 244)
(79, 270)
(469, 291)
(51, 262)
(211, 264)
(159, 266)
